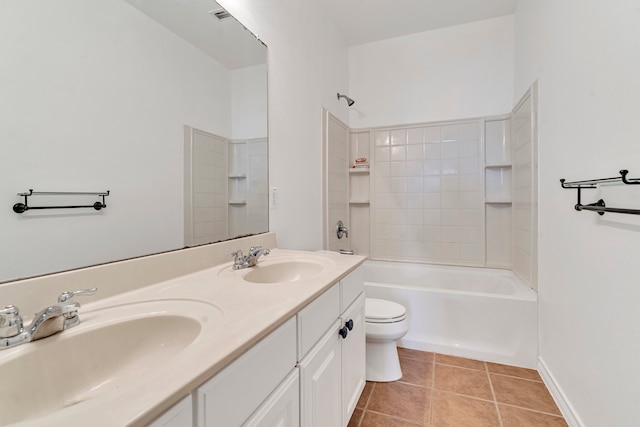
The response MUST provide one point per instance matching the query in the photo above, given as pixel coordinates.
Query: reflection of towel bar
(23, 207)
(600, 207)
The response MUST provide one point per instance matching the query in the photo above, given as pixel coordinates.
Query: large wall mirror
(161, 102)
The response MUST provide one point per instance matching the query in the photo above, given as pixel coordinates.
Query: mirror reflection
(161, 102)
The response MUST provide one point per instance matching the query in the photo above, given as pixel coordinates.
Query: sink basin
(291, 271)
(281, 269)
(109, 349)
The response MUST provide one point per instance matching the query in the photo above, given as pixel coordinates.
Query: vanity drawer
(316, 318)
(232, 395)
(351, 286)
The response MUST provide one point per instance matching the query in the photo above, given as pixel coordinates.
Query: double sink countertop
(144, 350)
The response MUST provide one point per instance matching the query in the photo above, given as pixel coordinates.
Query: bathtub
(478, 313)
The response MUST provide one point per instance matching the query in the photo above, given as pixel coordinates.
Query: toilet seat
(383, 311)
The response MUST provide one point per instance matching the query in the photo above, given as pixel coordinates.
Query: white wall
(452, 73)
(249, 102)
(307, 66)
(94, 97)
(585, 54)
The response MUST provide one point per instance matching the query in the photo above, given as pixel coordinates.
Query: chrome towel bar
(23, 207)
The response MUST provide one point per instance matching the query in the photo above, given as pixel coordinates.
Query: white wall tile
(398, 137)
(414, 184)
(415, 168)
(382, 154)
(449, 166)
(440, 218)
(433, 151)
(381, 138)
(449, 133)
(450, 150)
(398, 169)
(399, 153)
(415, 136)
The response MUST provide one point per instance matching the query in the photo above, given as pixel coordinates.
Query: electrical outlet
(273, 198)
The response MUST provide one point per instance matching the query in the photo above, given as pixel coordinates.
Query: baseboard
(569, 413)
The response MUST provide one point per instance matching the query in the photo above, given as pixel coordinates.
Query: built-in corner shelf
(498, 165)
(242, 176)
(237, 202)
(359, 202)
(498, 201)
(359, 170)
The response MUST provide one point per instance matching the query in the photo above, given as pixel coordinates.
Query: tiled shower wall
(427, 195)
(248, 191)
(226, 187)
(257, 186)
(336, 169)
(524, 192)
(209, 188)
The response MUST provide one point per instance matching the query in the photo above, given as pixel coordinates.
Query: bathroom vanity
(281, 343)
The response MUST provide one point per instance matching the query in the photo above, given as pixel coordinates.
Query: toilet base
(383, 364)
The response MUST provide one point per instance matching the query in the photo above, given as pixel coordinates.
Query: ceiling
(225, 40)
(365, 21)
(359, 21)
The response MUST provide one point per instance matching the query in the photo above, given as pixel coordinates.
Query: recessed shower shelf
(600, 207)
(359, 170)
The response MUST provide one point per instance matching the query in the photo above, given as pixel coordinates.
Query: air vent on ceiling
(220, 13)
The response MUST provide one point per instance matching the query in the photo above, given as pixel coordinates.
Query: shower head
(350, 101)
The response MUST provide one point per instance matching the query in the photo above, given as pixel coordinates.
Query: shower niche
(498, 183)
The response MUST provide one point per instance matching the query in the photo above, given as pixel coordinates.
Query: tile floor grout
(495, 398)
(387, 401)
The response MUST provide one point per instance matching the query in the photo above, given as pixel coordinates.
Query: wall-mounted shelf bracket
(600, 207)
(23, 207)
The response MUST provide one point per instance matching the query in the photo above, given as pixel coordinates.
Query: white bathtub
(478, 313)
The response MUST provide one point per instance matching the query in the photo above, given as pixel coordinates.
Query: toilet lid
(382, 310)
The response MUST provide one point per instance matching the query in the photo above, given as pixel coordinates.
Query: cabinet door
(282, 408)
(233, 394)
(179, 415)
(320, 383)
(353, 358)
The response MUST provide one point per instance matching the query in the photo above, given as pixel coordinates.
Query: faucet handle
(238, 256)
(10, 322)
(68, 295)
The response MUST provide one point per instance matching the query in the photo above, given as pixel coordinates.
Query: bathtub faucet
(341, 230)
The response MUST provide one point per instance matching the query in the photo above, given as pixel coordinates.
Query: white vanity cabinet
(309, 372)
(282, 408)
(332, 372)
(250, 384)
(179, 415)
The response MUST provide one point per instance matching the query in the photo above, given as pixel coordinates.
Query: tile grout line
(493, 393)
(433, 388)
(366, 404)
(395, 417)
(534, 410)
(515, 377)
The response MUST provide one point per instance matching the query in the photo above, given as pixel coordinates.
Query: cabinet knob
(349, 324)
(343, 332)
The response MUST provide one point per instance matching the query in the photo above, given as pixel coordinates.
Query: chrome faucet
(341, 230)
(240, 261)
(49, 321)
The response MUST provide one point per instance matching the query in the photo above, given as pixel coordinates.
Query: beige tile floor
(441, 391)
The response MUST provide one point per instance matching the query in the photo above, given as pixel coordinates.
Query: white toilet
(386, 322)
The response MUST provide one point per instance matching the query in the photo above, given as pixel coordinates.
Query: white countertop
(246, 313)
